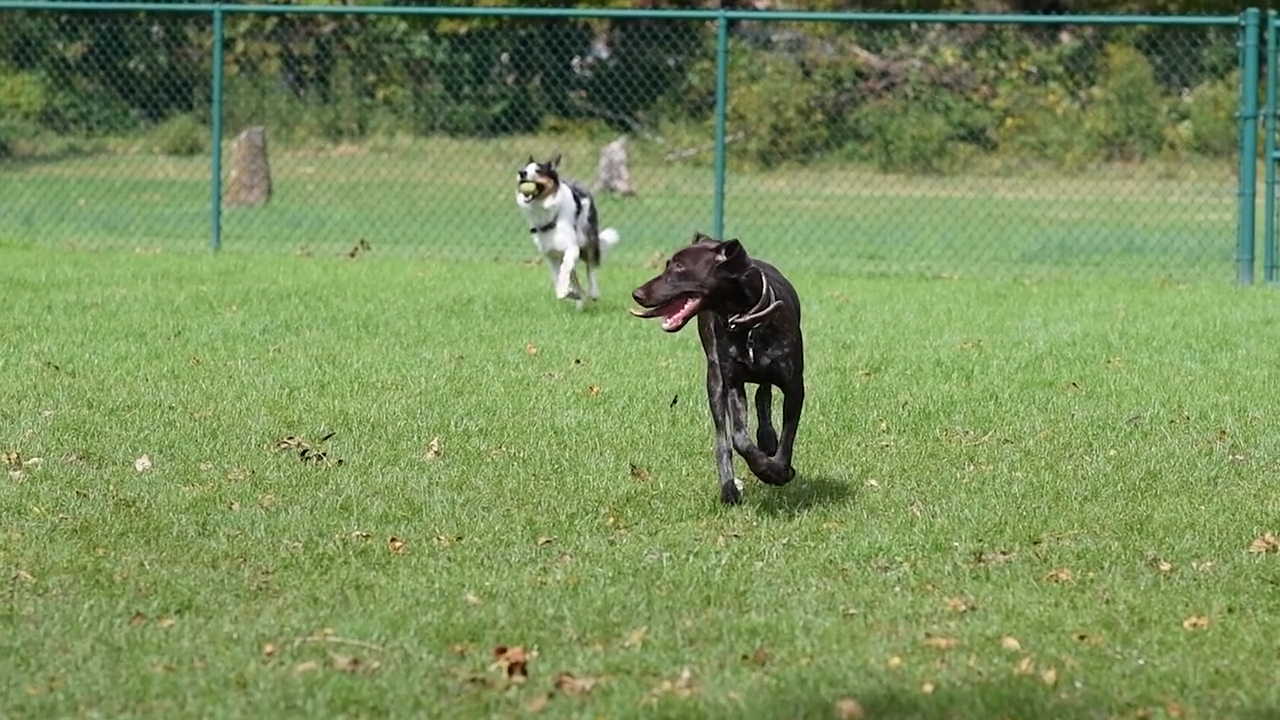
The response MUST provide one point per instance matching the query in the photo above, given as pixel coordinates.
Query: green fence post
(1269, 152)
(722, 105)
(1248, 115)
(215, 121)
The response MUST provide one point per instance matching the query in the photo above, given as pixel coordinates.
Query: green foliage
(1124, 119)
(181, 135)
(1212, 116)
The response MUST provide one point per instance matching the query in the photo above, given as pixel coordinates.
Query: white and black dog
(562, 219)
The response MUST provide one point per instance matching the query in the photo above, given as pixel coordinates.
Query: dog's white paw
(562, 292)
(737, 482)
(578, 304)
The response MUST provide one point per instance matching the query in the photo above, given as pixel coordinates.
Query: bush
(1212, 116)
(1125, 117)
(181, 135)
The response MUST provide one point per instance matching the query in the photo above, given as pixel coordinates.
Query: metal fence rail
(995, 145)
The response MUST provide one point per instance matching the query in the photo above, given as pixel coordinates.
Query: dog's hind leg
(792, 405)
(766, 436)
(575, 289)
(761, 464)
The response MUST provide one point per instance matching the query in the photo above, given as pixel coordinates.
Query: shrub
(1124, 119)
(182, 135)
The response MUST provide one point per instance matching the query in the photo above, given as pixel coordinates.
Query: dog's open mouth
(528, 188)
(674, 313)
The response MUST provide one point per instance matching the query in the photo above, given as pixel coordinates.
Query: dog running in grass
(562, 219)
(749, 323)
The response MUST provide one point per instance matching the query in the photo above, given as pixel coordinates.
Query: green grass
(453, 200)
(962, 441)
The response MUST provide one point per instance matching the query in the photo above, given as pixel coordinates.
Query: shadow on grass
(801, 495)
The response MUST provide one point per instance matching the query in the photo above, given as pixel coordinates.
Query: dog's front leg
(564, 281)
(717, 397)
(766, 436)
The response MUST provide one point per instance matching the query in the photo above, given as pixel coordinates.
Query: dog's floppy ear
(732, 256)
(699, 236)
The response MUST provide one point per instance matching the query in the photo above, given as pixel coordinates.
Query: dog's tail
(608, 238)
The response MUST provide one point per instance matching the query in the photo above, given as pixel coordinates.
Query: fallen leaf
(635, 638)
(1196, 622)
(142, 464)
(849, 709)
(638, 472)
(1265, 543)
(1008, 642)
(11, 459)
(1088, 639)
(1025, 666)
(1174, 710)
(166, 622)
(537, 703)
(1049, 676)
(362, 535)
(233, 506)
(270, 650)
(1060, 575)
(1203, 566)
(959, 605)
(514, 661)
(23, 576)
(472, 599)
(138, 619)
(894, 662)
(531, 349)
(352, 664)
(266, 502)
(570, 684)
(445, 541)
(306, 667)
(544, 540)
(872, 484)
(683, 686)
(939, 642)
(927, 688)
(395, 544)
(434, 451)
(995, 557)
(239, 474)
(461, 648)
(593, 390)
(759, 657)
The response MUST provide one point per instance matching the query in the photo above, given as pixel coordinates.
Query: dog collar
(542, 228)
(764, 307)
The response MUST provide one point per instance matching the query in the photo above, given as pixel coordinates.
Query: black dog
(749, 323)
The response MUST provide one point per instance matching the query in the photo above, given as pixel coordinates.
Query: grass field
(1015, 499)
(453, 200)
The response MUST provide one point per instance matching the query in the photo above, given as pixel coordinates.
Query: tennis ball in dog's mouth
(528, 187)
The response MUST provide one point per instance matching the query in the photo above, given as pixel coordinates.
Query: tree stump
(249, 183)
(612, 174)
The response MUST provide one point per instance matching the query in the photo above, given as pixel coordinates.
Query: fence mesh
(852, 147)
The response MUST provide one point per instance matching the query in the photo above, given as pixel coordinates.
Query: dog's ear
(555, 162)
(699, 236)
(732, 257)
(530, 158)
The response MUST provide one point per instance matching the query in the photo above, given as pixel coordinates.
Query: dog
(749, 323)
(565, 227)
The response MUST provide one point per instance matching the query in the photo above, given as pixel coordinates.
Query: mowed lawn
(453, 199)
(1015, 499)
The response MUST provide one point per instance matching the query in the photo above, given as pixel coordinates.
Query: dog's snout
(524, 175)
(638, 295)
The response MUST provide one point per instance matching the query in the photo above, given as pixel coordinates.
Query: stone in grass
(249, 182)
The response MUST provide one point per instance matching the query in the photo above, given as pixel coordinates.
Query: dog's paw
(731, 492)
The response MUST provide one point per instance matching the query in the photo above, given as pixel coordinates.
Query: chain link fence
(876, 146)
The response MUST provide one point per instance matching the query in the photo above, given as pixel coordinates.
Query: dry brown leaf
(635, 638)
(514, 661)
(1203, 566)
(928, 688)
(939, 642)
(1174, 710)
(395, 544)
(531, 349)
(959, 605)
(594, 390)
(234, 506)
(266, 502)
(362, 535)
(849, 709)
(570, 684)
(306, 667)
(12, 459)
(142, 464)
(1049, 676)
(1265, 543)
(544, 540)
(23, 576)
(445, 541)
(270, 650)
(894, 662)
(683, 686)
(166, 622)
(1088, 639)
(352, 664)
(1196, 622)
(434, 452)
(1009, 642)
(1025, 666)
(138, 619)
(537, 703)
(759, 657)
(1060, 575)
(472, 599)
(638, 472)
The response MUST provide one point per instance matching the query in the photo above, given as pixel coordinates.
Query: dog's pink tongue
(675, 313)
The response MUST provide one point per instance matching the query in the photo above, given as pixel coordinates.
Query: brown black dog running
(749, 323)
